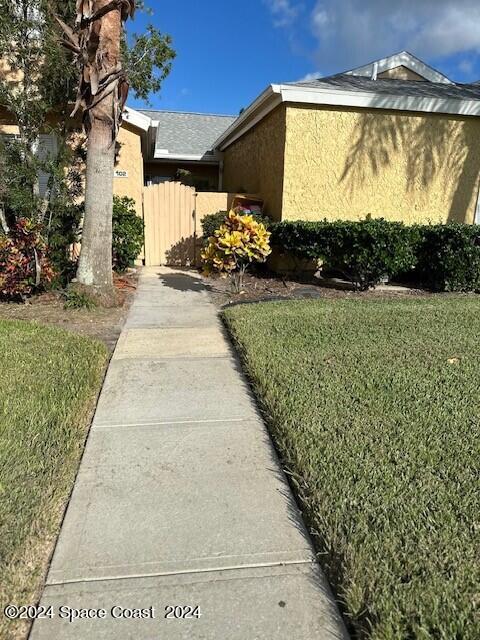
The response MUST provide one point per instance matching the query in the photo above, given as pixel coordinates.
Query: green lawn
(374, 405)
(49, 381)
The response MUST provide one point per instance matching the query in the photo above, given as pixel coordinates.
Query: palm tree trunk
(101, 120)
(95, 264)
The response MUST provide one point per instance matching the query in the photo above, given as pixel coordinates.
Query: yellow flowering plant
(239, 242)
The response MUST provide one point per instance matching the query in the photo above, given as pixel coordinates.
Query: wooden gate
(169, 215)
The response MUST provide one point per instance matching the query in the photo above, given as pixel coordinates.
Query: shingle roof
(188, 134)
(416, 89)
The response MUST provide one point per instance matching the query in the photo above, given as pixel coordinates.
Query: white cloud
(353, 32)
(285, 12)
(314, 75)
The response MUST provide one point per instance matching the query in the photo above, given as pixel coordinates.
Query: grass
(374, 406)
(49, 381)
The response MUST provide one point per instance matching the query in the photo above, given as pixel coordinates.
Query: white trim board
(161, 154)
(137, 119)
(423, 104)
(402, 59)
(278, 94)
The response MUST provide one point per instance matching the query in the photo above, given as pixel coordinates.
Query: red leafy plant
(24, 265)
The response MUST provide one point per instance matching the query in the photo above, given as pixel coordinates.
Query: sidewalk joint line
(126, 356)
(170, 422)
(167, 574)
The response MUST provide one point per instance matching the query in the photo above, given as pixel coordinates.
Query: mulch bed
(103, 324)
(266, 286)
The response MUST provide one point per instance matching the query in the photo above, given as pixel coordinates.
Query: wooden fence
(173, 213)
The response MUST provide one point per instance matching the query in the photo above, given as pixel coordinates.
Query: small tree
(36, 79)
(238, 243)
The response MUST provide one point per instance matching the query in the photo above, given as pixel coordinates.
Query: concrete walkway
(180, 499)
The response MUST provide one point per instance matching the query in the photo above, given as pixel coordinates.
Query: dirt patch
(268, 286)
(102, 324)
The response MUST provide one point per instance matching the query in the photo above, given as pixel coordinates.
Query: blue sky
(228, 52)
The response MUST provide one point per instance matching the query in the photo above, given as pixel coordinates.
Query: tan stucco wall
(130, 159)
(347, 163)
(207, 203)
(254, 163)
(400, 73)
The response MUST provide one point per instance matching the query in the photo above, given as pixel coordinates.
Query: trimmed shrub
(449, 257)
(213, 221)
(128, 235)
(363, 252)
(238, 243)
(24, 265)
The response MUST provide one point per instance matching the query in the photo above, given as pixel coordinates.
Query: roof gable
(187, 136)
(402, 59)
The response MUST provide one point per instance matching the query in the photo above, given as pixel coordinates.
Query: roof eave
(372, 100)
(262, 105)
(158, 155)
(279, 94)
(137, 119)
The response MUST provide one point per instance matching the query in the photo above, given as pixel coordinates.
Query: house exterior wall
(255, 162)
(130, 159)
(345, 163)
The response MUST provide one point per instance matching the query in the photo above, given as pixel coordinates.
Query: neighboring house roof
(402, 59)
(352, 90)
(187, 136)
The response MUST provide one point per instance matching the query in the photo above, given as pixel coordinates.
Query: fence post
(195, 195)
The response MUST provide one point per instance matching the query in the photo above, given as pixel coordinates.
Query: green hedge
(127, 240)
(363, 252)
(448, 257)
(439, 257)
(213, 221)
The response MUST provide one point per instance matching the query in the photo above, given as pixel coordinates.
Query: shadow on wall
(182, 254)
(428, 145)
